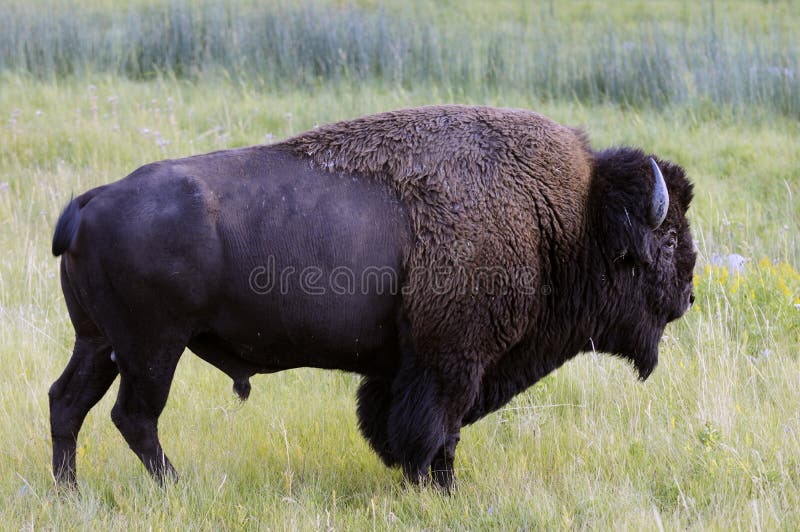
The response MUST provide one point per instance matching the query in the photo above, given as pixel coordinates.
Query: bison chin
(640, 346)
(645, 362)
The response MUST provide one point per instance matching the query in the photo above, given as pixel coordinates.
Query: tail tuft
(66, 228)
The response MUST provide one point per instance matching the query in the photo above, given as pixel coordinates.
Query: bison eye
(672, 238)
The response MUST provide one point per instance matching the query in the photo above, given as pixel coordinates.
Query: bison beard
(491, 197)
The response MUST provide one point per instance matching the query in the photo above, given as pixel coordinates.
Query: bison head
(644, 252)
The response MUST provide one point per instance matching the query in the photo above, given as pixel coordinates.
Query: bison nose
(691, 298)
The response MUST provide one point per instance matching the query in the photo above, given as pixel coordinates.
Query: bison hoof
(66, 486)
(444, 479)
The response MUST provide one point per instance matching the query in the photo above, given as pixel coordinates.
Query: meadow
(710, 441)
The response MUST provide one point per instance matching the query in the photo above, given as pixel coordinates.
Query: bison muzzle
(451, 255)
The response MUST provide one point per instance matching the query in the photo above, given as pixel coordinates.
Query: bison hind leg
(374, 403)
(83, 383)
(146, 368)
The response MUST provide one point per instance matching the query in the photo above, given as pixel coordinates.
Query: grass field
(711, 440)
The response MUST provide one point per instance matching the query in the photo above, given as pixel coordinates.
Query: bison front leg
(85, 380)
(374, 404)
(425, 420)
(145, 379)
(442, 467)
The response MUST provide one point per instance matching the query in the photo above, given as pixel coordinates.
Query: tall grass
(711, 440)
(652, 62)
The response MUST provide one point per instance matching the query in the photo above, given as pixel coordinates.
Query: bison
(451, 255)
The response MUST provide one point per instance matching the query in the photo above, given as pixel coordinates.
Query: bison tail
(66, 227)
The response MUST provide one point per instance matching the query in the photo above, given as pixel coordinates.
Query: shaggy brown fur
(509, 185)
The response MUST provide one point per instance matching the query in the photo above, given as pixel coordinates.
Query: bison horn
(660, 200)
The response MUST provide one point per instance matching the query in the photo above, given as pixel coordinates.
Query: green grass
(710, 441)
(640, 54)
